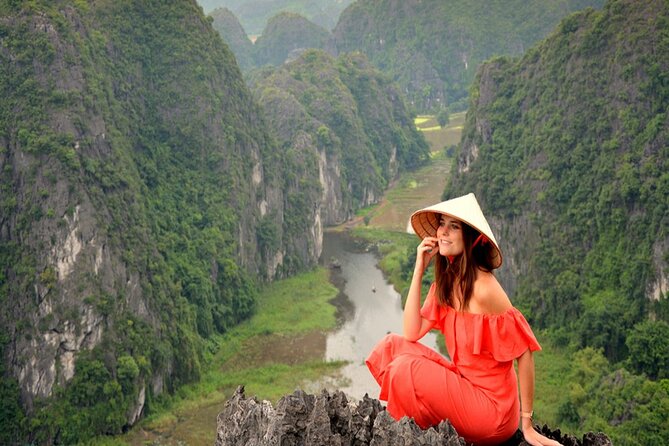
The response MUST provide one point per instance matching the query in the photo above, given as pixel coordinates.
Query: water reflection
(369, 307)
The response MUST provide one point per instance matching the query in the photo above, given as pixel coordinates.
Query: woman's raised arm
(415, 326)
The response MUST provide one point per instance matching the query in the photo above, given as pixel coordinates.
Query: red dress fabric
(477, 390)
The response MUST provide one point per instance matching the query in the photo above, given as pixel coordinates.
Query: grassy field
(441, 137)
(281, 347)
(423, 187)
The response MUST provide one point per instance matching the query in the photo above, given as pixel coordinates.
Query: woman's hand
(427, 249)
(535, 438)
(414, 325)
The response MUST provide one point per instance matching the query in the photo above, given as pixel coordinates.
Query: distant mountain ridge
(285, 36)
(288, 33)
(433, 48)
(233, 34)
(254, 14)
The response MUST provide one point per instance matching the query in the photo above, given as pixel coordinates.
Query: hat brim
(466, 209)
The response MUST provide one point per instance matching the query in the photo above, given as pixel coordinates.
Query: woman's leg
(419, 383)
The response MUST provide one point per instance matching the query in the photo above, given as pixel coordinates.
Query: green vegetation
(156, 115)
(233, 34)
(256, 354)
(11, 412)
(443, 117)
(567, 150)
(346, 110)
(434, 48)
(284, 33)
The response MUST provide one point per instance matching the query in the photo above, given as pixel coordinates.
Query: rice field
(420, 188)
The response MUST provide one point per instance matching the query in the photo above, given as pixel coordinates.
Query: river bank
(274, 352)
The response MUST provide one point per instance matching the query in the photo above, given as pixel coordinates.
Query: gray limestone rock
(330, 419)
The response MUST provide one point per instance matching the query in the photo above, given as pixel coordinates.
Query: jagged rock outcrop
(330, 419)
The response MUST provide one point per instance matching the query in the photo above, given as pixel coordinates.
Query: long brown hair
(462, 269)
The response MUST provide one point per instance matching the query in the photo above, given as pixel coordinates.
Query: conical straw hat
(426, 221)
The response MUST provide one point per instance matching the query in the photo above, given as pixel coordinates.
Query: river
(369, 308)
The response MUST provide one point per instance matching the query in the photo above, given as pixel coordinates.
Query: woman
(477, 390)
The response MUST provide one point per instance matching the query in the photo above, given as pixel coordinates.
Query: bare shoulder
(489, 296)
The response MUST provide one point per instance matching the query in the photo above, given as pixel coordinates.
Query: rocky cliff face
(139, 192)
(233, 34)
(285, 36)
(345, 128)
(52, 225)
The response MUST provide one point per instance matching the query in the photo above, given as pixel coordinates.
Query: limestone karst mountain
(233, 34)
(142, 200)
(433, 48)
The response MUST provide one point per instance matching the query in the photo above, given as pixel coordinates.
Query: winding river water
(369, 307)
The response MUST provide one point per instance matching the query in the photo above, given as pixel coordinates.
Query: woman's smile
(449, 236)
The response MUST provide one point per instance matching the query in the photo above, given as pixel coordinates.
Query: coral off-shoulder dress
(476, 390)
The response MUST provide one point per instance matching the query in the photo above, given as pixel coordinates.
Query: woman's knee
(393, 338)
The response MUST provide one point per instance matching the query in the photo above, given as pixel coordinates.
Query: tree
(648, 345)
(443, 117)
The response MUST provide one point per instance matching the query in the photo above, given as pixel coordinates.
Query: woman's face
(449, 235)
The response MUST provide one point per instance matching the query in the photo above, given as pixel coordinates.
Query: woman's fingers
(429, 242)
(426, 250)
(536, 439)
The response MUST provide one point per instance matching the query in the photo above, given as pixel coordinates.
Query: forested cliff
(343, 124)
(567, 148)
(433, 48)
(284, 38)
(135, 169)
(142, 199)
